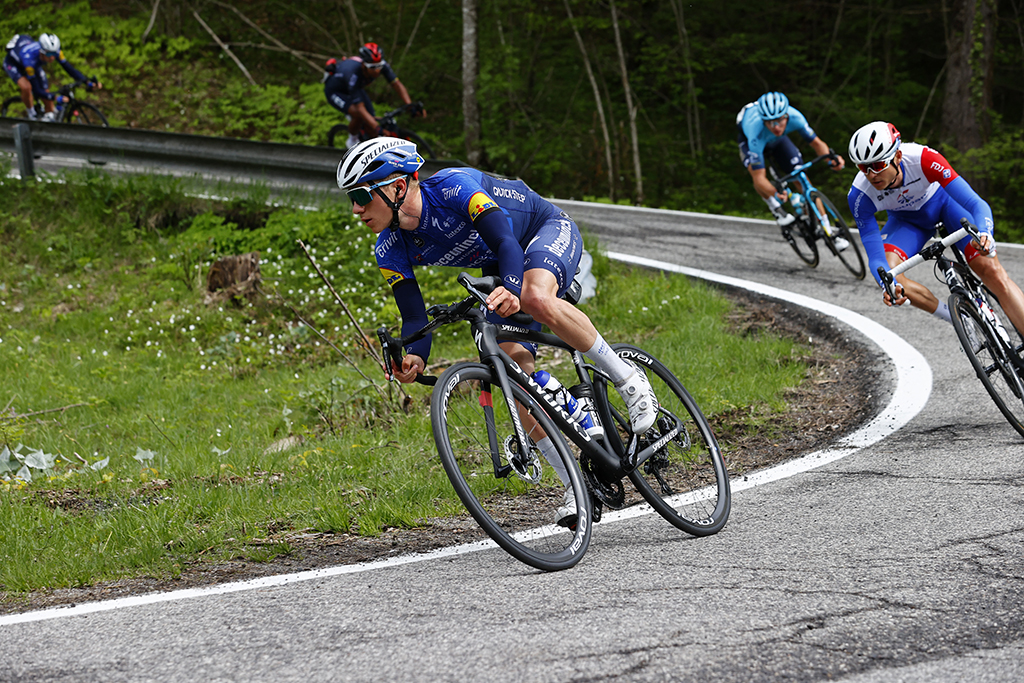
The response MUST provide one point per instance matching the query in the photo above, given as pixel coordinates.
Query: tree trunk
(470, 68)
(969, 74)
(630, 108)
(692, 106)
(598, 102)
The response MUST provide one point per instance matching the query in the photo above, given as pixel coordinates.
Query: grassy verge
(143, 431)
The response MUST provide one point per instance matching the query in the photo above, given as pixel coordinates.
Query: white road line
(913, 387)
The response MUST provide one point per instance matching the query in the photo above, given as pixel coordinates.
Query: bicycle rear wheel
(837, 227)
(800, 235)
(685, 481)
(85, 114)
(476, 440)
(989, 357)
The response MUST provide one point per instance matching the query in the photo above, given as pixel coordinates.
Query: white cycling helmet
(877, 141)
(50, 44)
(377, 159)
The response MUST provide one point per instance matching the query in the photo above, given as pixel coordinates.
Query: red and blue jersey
(931, 191)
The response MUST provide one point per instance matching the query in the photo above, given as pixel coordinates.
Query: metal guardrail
(177, 153)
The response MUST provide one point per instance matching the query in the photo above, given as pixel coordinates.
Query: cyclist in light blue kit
(464, 217)
(345, 86)
(763, 128)
(24, 64)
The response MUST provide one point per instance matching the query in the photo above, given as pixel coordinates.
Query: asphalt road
(900, 562)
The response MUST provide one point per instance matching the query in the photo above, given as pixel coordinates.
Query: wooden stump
(232, 278)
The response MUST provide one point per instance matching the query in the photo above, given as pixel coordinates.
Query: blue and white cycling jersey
(755, 136)
(454, 200)
(473, 220)
(23, 60)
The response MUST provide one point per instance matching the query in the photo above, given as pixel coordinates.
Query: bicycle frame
(616, 459)
(799, 174)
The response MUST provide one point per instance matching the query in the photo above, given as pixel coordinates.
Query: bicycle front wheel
(800, 235)
(990, 359)
(83, 113)
(13, 107)
(850, 257)
(339, 130)
(513, 496)
(686, 480)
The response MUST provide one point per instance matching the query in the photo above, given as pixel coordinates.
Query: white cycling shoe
(567, 514)
(640, 399)
(842, 244)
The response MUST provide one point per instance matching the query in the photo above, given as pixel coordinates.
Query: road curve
(900, 561)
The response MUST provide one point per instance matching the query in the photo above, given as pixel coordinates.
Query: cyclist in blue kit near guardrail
(464, 217)
(24, 64)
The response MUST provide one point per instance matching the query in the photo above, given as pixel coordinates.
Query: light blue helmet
(772, 105)
(377, 159)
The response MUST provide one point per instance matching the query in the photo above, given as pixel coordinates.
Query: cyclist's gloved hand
(416, 109)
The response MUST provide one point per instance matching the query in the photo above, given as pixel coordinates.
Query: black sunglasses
(362, 196)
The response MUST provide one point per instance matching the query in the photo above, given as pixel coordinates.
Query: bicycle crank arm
(631, 460)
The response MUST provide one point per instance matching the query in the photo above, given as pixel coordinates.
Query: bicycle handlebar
(832, 155)
(478, 288)
(928, 253)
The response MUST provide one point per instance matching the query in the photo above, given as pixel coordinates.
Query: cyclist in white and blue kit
(466, 218)
(763, 128)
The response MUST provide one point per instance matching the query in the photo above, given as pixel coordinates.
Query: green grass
(163, 453)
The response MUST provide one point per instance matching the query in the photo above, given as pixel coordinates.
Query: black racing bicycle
(389, 127)
(994, 348)
(73, 111)
(817, 218)
(488, 416)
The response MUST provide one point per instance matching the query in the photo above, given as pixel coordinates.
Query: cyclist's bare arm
(820, 148)
(397, 86)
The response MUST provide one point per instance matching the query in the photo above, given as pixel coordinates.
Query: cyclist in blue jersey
(345, 89)
(464, 217)
(917, 187)
(24, 64)
(763, 128)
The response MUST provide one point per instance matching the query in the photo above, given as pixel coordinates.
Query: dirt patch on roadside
(845, 386)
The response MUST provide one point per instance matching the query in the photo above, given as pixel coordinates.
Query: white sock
(609, 362)
(550, 453)
(943, 312)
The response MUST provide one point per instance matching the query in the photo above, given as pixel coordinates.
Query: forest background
(622, 100)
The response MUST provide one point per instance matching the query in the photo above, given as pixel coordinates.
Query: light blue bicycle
(817, 218)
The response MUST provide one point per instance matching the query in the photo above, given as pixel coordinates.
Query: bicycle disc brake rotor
(526, 466)
(610, 493)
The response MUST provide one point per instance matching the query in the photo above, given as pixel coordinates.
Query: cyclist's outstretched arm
(820, 148)
(397, 86)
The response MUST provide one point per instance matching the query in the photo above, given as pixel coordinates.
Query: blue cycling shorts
(341, 98)
(557, 248)
(906, 232)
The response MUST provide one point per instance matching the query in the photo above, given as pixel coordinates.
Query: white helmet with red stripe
(877, 141)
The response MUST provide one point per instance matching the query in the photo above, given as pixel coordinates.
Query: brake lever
(387, 349)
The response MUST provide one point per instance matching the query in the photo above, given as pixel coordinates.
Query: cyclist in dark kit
(345, 90)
